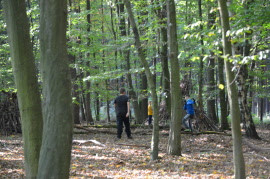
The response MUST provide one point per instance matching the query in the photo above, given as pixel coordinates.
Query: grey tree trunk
(155, 135)
(55, 153)
(239, 163)
(174, 143)
(24, 70)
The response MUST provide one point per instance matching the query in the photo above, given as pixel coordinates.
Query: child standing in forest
(188, 106)
(150, 112)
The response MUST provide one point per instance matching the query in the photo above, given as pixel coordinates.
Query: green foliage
(6, 75)
(98, 47)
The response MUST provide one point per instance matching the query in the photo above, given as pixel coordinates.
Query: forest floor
(99, 155)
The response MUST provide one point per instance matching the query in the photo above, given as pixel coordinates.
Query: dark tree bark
(75, 93)
(211, 104)
(200, 74)
(224, 124)
(144, 99)
(87, 107)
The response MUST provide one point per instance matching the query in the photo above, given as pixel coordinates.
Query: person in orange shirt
(150, 112)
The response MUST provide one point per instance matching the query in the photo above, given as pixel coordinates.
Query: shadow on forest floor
(203, 156)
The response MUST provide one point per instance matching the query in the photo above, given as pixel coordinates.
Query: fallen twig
(133, 145)
(83, 142)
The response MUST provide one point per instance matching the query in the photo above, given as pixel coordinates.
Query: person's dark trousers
(149, 119)
(186, 121)
(120, 121)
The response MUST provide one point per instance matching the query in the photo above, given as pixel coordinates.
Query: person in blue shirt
(188, 106)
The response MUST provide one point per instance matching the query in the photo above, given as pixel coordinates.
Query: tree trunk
(55, 153)
(211, 105)
(144, 99)
(211, 83)
(244, 83)
(162, 14)
(224, 125)
(132, 94)
(200, 73)
(97, 106)
(155, 136)
(75, 93)
(24, 70)
(239, 163)
(87, 107)
(245, 104)
(174, 143)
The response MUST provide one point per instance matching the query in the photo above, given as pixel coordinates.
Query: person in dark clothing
(188, 106)
(122, 107)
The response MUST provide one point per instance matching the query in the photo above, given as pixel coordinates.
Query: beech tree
(149, 75)
(25, 74)
(239, 163)
(52, 160)
(174, 144)
(55, 153)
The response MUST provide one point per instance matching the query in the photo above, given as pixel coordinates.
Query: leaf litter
(101, 156)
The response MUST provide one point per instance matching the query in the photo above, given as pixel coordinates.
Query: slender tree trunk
(155, 136)
(75, 93)
(224, 125)
(97, 105)
(73, 71)
(244, 84)
(245, 104)
(55, 153)
(132, 94)
(87, 107)
(162, 15)
(200, 75)
(239, 163)
(165, 69)
(211, 82)
(24, 70)
(144, 99)
(174, 145)
(211, 110)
